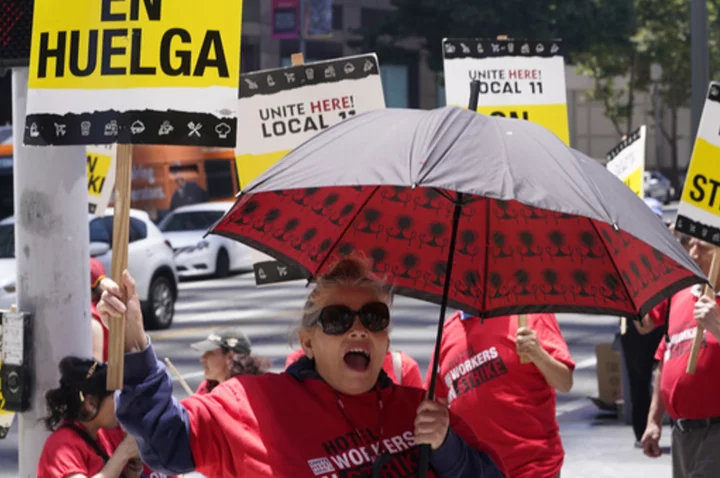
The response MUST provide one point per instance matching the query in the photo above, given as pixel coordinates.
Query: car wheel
(668, 198)
(222, 264)
(3, 432)
(160, 307)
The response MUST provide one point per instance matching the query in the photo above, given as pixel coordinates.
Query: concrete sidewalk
(598, 446)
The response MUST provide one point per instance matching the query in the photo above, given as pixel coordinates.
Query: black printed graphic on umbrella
(431, 200)
(341, 217)
(551, 287)
(496, 282)
(431, 238)
(403, 230)
(395, 194)
(661, 259)
(582, 287)
(612, 286)
(321, 249)
(265, 224)
(378, 255)
(559, 247)
(504, 211)
(470, 285)
(302, 243)
(285, 233)
(467, 240)
(408, 268)
(370, 223)
(529, 247)
(304, 197)
(638, 275)
(590, 248)
(244, 216)
(629, 282)
(500, 248)
(437, 276)
(610, 242)
(533, 214)
(323, 208)
(649, 267)
(522, 284)
(346, 248)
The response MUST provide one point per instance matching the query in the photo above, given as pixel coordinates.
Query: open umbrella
(494, 216)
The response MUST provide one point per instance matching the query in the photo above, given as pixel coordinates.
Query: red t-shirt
(66, 453)
(274, 425)
(507, 404)
(684, 395)
(106, 332)
(410, 369)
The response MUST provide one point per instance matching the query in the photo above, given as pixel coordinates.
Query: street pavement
(596, 445)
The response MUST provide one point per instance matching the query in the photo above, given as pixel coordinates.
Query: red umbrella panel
(509, 258)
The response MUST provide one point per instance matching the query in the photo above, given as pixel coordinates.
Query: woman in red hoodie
(333, 413)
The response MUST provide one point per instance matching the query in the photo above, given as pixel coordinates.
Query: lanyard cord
(341, 406)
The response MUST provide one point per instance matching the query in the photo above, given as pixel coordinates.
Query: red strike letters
(523, 74)
(331, 104)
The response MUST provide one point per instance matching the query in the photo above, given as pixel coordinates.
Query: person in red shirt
(690, 400)
(100, 332)
(84, 440)
(227, 353)
(333, 413)
(508, 404)
(399, 366)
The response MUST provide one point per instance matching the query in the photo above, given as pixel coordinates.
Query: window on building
(251, 11)
(372, 17)
(249, 56)
(337, 21)
(314, 50)
(395, 85)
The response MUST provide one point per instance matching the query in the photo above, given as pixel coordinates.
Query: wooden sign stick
(121, 236)
(522, 322)
(710, 293)
(175, 372)
(297, 59)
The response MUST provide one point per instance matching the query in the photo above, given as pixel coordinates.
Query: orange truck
(167, 177)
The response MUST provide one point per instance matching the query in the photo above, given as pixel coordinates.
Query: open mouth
(357, 359)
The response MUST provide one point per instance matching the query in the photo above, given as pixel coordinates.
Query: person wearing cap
(227, 353)
(100, 332)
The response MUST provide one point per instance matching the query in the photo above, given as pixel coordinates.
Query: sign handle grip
(297, 59)
(121, 236)
(179, 377)
(709, 292)
(522, 322)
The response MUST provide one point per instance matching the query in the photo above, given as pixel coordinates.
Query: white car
(197, 256)
(150, 261)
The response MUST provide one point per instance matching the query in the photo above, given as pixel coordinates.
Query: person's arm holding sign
(543, 345)
(707, 315)
(145, 406)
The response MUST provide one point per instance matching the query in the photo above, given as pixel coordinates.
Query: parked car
(659, 187)
(150, 261)
(196, 256)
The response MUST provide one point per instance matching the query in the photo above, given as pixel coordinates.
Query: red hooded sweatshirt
(286, 425)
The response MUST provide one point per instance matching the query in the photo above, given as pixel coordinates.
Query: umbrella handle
(423, 461)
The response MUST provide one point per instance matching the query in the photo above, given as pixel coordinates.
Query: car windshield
(7, 241)
(190, 221)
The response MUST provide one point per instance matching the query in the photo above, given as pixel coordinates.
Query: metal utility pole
(53, 270)
(699, 57)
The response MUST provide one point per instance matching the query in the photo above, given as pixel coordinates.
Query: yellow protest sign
(627, 161)
(101, 176)
(134, 71)
(518, 79)
(699, 209)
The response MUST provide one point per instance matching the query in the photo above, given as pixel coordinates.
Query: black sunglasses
(338, 319)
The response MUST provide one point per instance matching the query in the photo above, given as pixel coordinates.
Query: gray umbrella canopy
(458, 150)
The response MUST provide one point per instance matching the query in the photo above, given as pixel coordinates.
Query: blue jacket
(161, 425)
